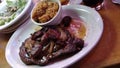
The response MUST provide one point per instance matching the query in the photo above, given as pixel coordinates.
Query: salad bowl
(13, 12)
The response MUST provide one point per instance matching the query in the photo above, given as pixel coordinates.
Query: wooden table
(106, 52)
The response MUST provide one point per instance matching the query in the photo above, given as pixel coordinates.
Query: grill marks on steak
(48, 43)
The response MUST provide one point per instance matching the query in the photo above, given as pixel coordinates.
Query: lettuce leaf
(16, 3)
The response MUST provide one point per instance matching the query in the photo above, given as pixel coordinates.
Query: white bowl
(55, 20)
(3, 4)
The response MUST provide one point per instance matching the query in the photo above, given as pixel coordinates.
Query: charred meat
(49, 43)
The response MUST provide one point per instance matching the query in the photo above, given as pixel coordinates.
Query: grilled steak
(49, 43)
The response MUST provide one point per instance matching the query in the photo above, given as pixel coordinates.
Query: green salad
(13, 8)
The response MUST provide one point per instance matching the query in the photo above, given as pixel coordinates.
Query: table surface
(106, 52)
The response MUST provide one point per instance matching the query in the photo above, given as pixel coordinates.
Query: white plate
(3, 7)
(92, 21)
